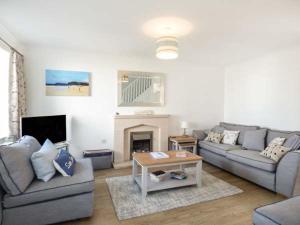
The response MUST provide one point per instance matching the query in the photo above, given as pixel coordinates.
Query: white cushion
(277, 141)
(230, 137)
(42, 161)
(275, 152)
(214, 137)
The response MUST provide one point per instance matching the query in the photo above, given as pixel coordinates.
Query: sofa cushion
(255, 139)
(64, 162)
(15, 167)
(275, 152)
(230, 137)
(293, 142)
(271, 134)
(214, 137)
(81, 182)
(42, 161)
(252, 158)
(285, 212)
(239, 127)
(219, 149)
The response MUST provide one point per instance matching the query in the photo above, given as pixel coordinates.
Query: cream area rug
(126, 195)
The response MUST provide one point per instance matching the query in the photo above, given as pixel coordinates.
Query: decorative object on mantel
(140, 88)
(144, 112)
(67, 83)
(184, 126)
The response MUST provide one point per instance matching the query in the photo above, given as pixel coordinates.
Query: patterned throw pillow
(277, 141)
(64, 163)
(214, 137)
(230, 137)
(275, 152)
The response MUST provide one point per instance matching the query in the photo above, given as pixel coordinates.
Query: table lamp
(184, 126)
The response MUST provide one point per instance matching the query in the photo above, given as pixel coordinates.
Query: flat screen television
(43, 127)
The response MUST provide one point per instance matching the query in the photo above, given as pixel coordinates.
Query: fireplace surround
(127, 125)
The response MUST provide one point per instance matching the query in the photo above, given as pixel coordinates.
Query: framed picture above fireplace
(140, 88)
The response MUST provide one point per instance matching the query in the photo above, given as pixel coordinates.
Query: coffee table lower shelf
(167, 183)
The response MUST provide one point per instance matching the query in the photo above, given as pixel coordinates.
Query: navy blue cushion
(64, 163)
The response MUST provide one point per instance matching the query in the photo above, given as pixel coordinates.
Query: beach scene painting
(67, 83)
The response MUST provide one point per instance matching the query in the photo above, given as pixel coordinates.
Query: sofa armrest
(288, 174)
(199, 134)
(2, 193)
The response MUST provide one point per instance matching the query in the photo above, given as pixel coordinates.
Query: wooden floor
(233, 210)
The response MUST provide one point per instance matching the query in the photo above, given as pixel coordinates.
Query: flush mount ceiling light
(167, 48)
(167, 30)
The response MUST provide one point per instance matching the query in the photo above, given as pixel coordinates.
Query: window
(4, 106)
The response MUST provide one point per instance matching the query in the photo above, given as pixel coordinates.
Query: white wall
(265, 91)
(10, 39)
(193, 93)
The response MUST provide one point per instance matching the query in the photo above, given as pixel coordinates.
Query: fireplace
(158, 125)
(141, 142)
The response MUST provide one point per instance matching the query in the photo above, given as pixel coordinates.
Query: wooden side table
(183, 142)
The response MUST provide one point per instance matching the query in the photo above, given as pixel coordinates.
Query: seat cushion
(252, 158)
(239, 127)
(58, 187)
(284, 212)
(220, 149)
(15, 166)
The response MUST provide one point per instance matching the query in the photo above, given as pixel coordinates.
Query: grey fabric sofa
(286, 212)
(60, 199)
(282, 177)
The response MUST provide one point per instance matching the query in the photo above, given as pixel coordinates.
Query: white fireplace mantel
(125, 124)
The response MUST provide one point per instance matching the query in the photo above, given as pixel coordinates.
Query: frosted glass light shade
(167, 48)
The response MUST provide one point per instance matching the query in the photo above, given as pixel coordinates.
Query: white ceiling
(224, 31)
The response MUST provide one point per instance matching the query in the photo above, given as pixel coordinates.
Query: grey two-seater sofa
(282, 177)
(28, 201)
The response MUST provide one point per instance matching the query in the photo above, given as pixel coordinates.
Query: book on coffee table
(178, 175)
(159, 155)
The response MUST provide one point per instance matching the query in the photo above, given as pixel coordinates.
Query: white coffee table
(146, 162)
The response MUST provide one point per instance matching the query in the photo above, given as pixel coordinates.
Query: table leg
(199, 173)
(134, 169)
(195, 149)
(181, 167)
(144, 182)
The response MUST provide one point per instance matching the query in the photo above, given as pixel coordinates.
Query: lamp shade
(167, 48)
(184, 125)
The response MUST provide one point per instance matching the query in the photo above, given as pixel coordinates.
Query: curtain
(17, 100)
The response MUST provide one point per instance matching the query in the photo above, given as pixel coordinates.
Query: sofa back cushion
(293, 142)
(255, 139)
(279, 133)
(239, 127)
(16, 171)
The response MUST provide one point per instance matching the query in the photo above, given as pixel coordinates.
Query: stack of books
(178, 175)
